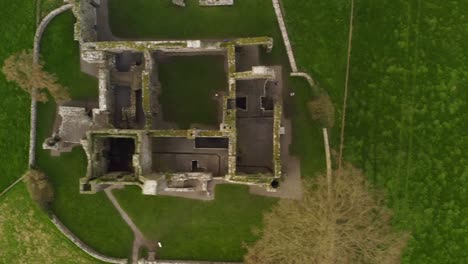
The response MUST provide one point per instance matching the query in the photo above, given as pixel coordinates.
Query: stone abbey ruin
(128, 142)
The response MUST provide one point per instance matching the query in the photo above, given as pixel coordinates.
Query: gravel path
(140, 240)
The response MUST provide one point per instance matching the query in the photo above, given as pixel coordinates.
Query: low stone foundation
(216, 2)
(179, 2)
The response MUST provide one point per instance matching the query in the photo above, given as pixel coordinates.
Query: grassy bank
(146, 19)
(137, 19)
(198, 230)
(407, 123)
(28, 236)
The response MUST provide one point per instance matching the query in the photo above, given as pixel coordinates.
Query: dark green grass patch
(162, 19)
(61, 55)
(28, 235)
(307, 133)
(189, 85)
(406, 121)
(18, 26)
(198, 230)
(91, 217)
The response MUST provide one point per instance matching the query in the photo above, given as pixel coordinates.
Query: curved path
(140, 239)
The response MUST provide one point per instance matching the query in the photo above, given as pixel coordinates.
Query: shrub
(321, 109)
(39, 188)
(19, 68)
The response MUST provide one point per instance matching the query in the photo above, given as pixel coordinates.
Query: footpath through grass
(18, 27)
(91, 217)
(406, 121)
(198, 230)
(189, 84)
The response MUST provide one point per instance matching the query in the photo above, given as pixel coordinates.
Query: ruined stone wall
(183, 262)
(278, 115)
(216, 2)
(229, 115)
(146, 155)
(104, 86)
(86, 20)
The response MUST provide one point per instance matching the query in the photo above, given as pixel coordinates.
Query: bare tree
(321, 109)
(351, 225)
(20, 68)
(39, 187)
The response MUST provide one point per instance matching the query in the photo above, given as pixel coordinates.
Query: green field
(200, 230)
(91, 217)
(406, 121)
(61, 56)
(189, 84)
(17, 34)
(28, 236)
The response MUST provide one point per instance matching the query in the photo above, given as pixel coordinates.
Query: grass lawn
(49, 5)
(61, 56)
(198, 230)
(307, 133)
(319, 35)
(189, 84)
(164, 20)
(91, 217)
(406, 121)
(18, 27)
(28, 236)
